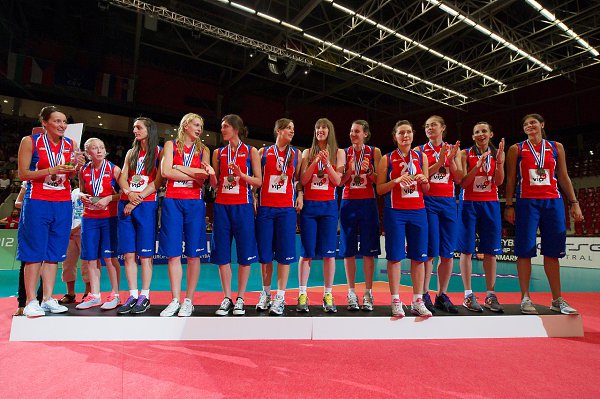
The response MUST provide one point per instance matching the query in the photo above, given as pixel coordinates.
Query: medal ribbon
(409, 165)
(140, 165)
(97, 183)
(187, 159)
(436, 154)
(539, 159)
(488, 161)
(232, 158)
(358, 161)
(52, 159)
(283, 165)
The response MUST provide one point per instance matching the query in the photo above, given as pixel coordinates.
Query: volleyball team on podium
(259, 193)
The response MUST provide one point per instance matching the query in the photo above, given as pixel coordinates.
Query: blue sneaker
(428, 303)
(127, 306)
(141, 305)
(444, 303)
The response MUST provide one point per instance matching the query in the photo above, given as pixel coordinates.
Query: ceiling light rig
(557, 22)
(487, 32)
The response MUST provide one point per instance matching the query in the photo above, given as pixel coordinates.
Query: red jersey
(12, 223)
(231, 189)
(47, 155)
(483, 187)
(185, 189)
(358, 186)
(404, 197)
(440, 184)
(320, 188)
(139, 181)
(278, 191)
(535, 173)
(99, 184)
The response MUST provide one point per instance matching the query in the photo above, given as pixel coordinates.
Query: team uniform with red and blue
(45, 224)
(276, 216)
(440, 205)
(183, 211)
(404, 216)
(137, 231)
(319, 218)
(358, 211)
(539, 203)
(99, 227)
(479, 208)
(233, 209)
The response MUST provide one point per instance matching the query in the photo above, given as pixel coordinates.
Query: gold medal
(230, 178)
(540, 172)
(95, 199)
(283, 177)
(136, 179)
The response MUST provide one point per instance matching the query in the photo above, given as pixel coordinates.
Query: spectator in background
(4, 182)
(12, 221)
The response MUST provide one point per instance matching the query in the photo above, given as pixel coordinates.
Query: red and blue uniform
(45, 223)
(183, 210)
(276, 216)
(137, 231)
(404, 216)
(440, 205)
(479, 208)
(358, 210)
(99, 227)
(233, 210)
(319, 217)
(539, 203)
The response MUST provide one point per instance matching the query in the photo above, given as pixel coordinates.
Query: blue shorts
(549, 215)
(182, 220)
(318, 229)
(483, 216)
(233, 221)
(44, 231)
(137, 231)
(276, 234)
(405, 229)
(99, 238)
(442, 222)
(359, 217)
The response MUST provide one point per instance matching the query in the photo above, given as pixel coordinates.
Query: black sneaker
(444, 303)
(127, 306)
(141, 305)
(225, 308)
(428, 303)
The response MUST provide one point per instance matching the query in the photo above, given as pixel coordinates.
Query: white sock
(267, 289)
(328, 290)
(468, 292)
(145, 293)
(397, 296)
(187, 300)
(351, 291)
(281, 293)
(525, 298)
(97, 296)
(133, 293)
(303, 289)
(417, 296)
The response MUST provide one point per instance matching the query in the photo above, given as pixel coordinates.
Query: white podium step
(97, 325)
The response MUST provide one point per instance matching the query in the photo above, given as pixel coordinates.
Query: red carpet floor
(475, 368)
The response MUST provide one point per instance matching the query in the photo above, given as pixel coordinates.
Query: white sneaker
(264, 301)
(560, 305)
(397, 309)
(52, 306)
(89, 302)
(171, 309)
(112, 302)
(418, 308)
(238, 308)
(186, 308)
(33, 309)
(527, 307)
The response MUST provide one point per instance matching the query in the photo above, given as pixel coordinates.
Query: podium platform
(98, 325)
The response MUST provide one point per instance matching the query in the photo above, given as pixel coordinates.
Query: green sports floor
(573, 279)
